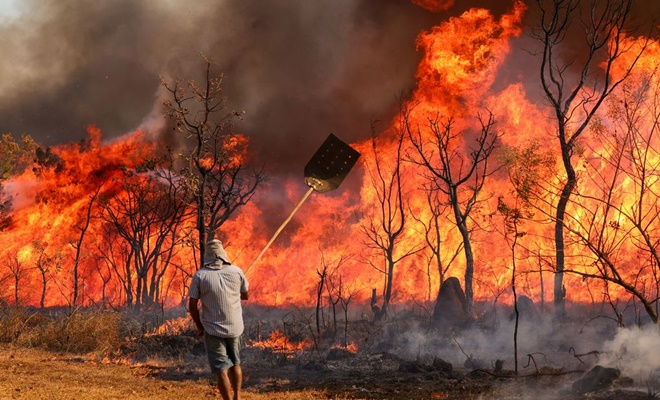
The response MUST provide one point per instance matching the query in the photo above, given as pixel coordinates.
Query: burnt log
(337, 353)
(598, 378)
(438, 368)
(443, 366)
(414, 367)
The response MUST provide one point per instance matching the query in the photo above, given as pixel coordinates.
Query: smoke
(299, 69)
(544, 347)
(635, 352)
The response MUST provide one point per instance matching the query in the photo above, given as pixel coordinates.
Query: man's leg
(219, 362)
(224, 386)
(236, 378)
(235, 371)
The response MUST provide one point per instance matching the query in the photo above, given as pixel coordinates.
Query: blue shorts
(223, 353)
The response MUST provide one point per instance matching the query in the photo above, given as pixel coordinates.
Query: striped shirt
(219, 288)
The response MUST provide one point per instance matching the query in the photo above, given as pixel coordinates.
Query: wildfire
(279, 343)
(174, 326)
(462, 60)
(351, 346)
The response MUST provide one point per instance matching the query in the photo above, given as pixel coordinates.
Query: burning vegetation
(497, 210)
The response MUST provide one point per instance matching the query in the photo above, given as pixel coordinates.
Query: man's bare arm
(194, 313)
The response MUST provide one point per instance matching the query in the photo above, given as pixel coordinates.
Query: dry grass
(41, 374)
(78, 332)
(96, 354)
(64, 356)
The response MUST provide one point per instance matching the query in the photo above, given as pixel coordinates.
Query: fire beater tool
(323, 173)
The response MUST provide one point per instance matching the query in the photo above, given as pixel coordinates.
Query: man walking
(220, 286)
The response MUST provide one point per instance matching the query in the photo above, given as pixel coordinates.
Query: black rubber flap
(330, 164)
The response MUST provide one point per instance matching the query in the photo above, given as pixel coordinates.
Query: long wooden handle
(277, 232)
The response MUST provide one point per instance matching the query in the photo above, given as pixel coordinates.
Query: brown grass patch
(78, 332)
(41, 374)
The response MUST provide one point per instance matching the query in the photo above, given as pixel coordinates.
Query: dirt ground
(39, 374)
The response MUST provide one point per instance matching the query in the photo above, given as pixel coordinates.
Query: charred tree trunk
(16, 283)
(218, 182)
(44, 287)
(333, 304)
(576, 97)
(559, 289)
(459, 174)
(16, 268)
(319, 291)
(43, 265)
(128, 287)
(387, 295)
(469, 260)
(384, 229)
(374, 303)
(78, 247)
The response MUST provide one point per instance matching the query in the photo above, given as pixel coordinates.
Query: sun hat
(214, 251)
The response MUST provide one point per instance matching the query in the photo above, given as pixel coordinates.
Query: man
(220, 286)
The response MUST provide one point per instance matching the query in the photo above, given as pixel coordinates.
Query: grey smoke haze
(543, 347)
(300, 69)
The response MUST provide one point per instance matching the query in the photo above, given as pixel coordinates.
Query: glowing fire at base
(279, 343)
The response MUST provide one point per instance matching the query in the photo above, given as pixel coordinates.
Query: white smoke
(636, 352)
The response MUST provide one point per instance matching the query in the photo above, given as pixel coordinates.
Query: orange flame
(456, 77)
(279, 343)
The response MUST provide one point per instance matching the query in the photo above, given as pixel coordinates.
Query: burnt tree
(332, 282)
(17, 270)
(213, 154)
(514, 215)
(83, 226)
(147, 214)
(575, 88)
(104, 271)
(118, 254)
(433, 237)
(345, 293)
(384, 229)
(323, 275)
(620, 221)
(459, 174)
(530, 168)
(44, 264)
